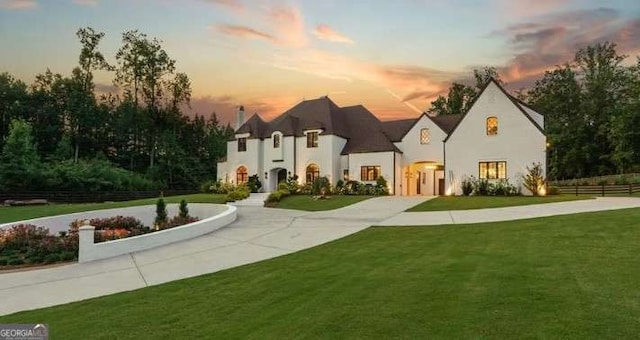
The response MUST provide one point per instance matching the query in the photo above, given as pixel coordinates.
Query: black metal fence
(89, 197)
(600, 190)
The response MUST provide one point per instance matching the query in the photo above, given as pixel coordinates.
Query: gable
(490, 94)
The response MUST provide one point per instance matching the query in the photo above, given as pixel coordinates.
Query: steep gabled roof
(362, 130)
(255, 126)
(367, 133)
(517, 103)
(397, 129)
(446, 122)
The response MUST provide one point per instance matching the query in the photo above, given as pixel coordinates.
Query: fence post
(630, 189)
(576, 188)
(603, 190)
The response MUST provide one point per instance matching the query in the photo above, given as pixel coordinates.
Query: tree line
(591, 106)
(140, 127)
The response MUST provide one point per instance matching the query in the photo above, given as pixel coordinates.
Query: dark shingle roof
(396, 129)
(446, 122)
(367, 132)
(255, 126)
(362, 130)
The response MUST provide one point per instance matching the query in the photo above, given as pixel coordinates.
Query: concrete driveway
(258, 234)
(510, 213)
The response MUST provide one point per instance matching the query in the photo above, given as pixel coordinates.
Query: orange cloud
(288, 24)
(410, 82)
(243, 32)
(552, 40)
(324, 32)
(18, 4)
(231, 4)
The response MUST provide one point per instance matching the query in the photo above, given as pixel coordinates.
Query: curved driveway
(257, 234)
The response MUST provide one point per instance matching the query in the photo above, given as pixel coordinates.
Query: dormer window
(276, 141)
(242, 144)
(492, 126)
(425, 137)
(312, 139)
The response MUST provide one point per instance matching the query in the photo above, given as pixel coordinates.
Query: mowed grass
(12, 214)
(307, 203)
(570, 277)
(444, 203)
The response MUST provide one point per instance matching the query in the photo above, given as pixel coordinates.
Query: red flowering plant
(28, 244)
(177, 221)
(112, 228)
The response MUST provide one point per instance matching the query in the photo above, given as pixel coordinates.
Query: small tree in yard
(184, 211)
(534, 181)
(161, 214)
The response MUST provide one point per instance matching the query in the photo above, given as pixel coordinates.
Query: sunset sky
(393, 57)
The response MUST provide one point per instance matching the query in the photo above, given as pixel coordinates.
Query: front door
(282, 176)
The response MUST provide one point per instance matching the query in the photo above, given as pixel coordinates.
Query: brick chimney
(239, 117)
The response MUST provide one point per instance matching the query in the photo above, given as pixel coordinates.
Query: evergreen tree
(19, 161)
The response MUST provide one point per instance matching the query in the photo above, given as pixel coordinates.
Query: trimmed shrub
(238, 193)
(534, 180)
(254, 183)
(15, 262)
(161, 213)
(467, 186)
(381, 188)
(292, 185)
(52, 258)
(184, 210)
(321, 186)
(481, 187)
(67, 256)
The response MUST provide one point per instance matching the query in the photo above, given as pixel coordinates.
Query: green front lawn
(11, 214)
(444, 203)
(573, 276)
(307, 203)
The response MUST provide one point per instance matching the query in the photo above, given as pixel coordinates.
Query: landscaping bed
(23, 245)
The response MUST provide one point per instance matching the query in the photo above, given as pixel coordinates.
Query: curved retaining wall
(90, 251)
(212, 217)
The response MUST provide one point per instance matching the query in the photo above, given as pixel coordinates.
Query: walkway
(510, 213)
(258, 234)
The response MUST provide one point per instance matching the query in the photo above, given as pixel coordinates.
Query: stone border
(90, 251)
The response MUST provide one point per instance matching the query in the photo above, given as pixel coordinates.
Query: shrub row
(482, 187)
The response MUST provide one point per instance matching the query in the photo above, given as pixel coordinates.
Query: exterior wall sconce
(266, 175)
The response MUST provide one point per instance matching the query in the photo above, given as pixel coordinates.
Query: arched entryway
(276, 175)
(424, 178)
(242, 175)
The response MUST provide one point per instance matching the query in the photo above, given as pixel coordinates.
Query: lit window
(493, 170)
(276, 141)
(242, 176)
(425, 137)
(492, 126)
(369, 173)
(313, 172)
(242, 144)
(312, 139)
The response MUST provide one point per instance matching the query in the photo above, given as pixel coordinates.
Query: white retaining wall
(211, 218)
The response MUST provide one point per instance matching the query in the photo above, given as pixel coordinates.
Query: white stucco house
(498, 138)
